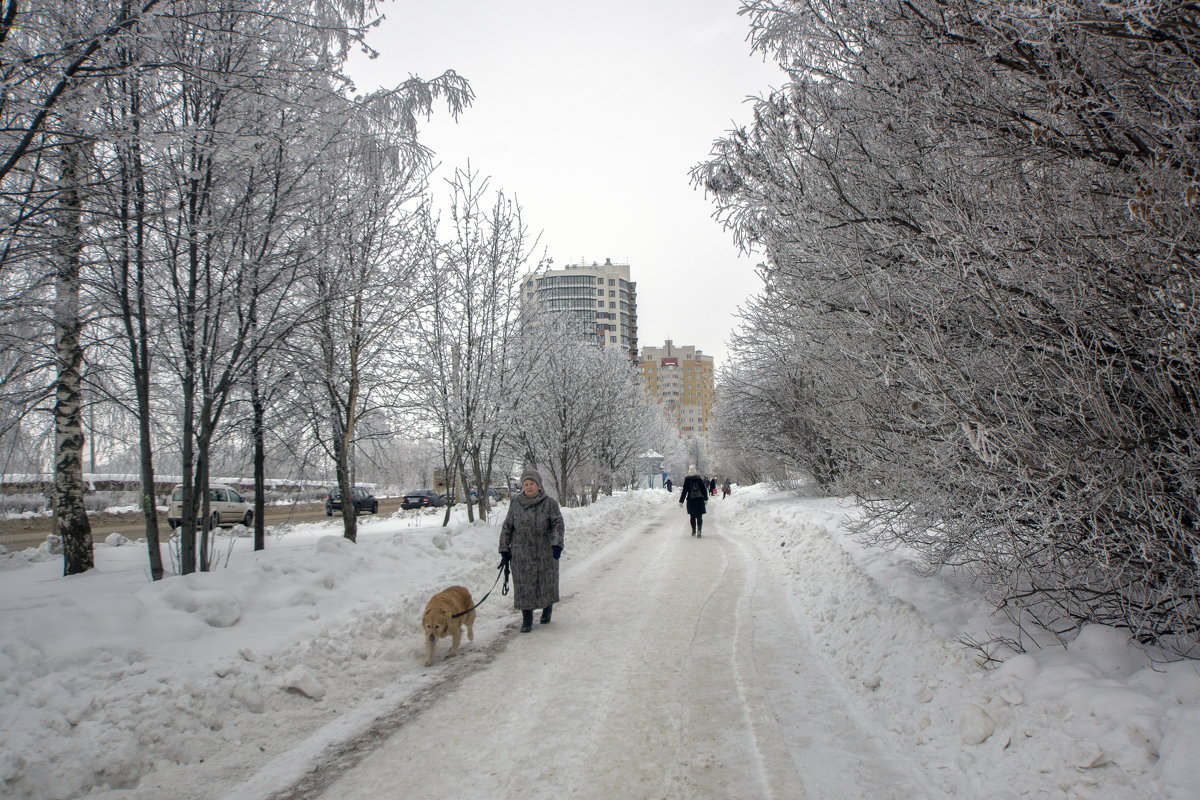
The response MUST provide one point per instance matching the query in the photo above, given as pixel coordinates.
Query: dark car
(422, 498)
(364, 501)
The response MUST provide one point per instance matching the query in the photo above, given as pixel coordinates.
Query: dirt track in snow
(673, 669)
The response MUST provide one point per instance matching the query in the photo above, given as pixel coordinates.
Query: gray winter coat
(533, 526)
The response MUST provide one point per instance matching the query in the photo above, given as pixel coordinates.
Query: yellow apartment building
(681, 378)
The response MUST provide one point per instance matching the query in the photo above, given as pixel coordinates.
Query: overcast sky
(592, 114)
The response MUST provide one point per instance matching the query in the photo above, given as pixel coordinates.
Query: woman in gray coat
(531, 540)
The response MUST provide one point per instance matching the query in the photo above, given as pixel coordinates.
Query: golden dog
(439, 619)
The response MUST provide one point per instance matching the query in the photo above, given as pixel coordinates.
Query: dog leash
(503, 569)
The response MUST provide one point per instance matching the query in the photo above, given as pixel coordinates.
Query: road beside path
(19, 533)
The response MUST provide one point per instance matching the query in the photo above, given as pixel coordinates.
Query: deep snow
(236, 682)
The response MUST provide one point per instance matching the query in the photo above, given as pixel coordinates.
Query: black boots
(527, 618)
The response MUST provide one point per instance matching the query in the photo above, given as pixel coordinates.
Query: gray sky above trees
(592, 115)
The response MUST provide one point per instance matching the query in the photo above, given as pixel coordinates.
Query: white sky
(592, 115)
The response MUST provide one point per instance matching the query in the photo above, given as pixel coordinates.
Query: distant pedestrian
(531, 540)
(693, 495)
(725, 489)
(669, 485)
(712, 487)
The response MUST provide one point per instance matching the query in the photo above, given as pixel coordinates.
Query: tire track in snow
(724, 756)
(797, 708)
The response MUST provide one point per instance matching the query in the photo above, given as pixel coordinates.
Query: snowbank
(1097, 719)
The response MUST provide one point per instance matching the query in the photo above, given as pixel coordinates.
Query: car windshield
(178, 494)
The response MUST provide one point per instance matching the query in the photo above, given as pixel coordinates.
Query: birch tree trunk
(70, 516)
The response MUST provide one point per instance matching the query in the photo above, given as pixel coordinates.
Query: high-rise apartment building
(682, 380)
(600, 298)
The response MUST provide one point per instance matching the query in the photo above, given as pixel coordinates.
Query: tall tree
(575, 396)
(366, 278)
(70, 515)
(469, 327)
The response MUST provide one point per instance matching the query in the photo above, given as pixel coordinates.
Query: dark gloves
(505, 557)
(557, 551)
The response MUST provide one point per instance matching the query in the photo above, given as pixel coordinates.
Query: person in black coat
(693, 494)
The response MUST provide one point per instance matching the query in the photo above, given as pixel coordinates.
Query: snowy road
(673, 669)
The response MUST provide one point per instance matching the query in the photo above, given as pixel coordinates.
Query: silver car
(226, 507)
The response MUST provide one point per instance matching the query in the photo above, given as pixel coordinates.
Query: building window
(567, 280)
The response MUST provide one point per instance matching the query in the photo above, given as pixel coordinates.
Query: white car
(226, 506)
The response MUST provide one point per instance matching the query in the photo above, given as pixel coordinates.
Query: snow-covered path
(776, 656)
(672, 669)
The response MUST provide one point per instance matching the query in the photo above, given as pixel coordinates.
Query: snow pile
(113, 684)
(1099, 719)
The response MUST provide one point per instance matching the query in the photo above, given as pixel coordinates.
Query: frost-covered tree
(43, 183)
(222, 256)
(555, 414)
(195, 129)
(980, 225)
(628, 428)
(580, 417)
(468, 329)
(367, 282)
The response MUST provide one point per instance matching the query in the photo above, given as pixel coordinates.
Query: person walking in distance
(725, 489)
(693, 495)
(712, 487)
(531, 541)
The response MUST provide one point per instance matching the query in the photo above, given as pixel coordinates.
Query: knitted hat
(532, 474)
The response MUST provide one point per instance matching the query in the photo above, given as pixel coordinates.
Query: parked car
(495, 494)
(364, 501)
(422, 498)
(226, 507)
